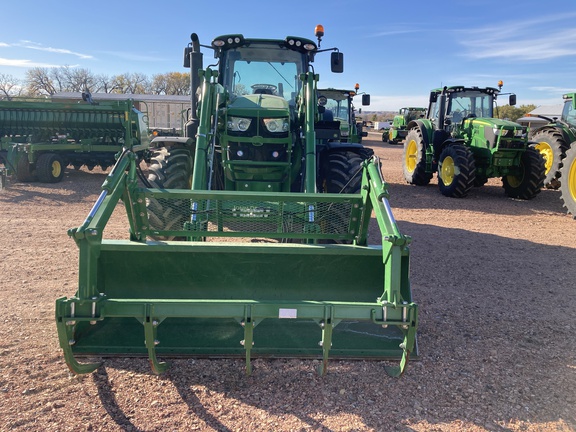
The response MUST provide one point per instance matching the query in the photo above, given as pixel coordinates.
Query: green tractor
(249, 237)
(336, 105)
(462, 141)
(555, 138)
(398, 130)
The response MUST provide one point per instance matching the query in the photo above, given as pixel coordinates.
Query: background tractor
(398, 130)
(336, 105)
(555, 138)
(249, 237)
(462, 141)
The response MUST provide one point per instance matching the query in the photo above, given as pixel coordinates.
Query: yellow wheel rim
(546, 151)
(411, 157)
(572, 180)
(56, 169)
(447, 171)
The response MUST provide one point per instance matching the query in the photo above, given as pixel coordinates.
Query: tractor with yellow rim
(461, 141)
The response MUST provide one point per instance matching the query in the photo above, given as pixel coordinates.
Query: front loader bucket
(229, 298)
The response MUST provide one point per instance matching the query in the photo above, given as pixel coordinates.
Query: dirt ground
(494, 278)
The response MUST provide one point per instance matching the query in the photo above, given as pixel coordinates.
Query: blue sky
(396, 50)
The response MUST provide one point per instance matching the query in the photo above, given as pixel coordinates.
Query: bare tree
(10, 86)
(178, 83)
(39, 82)
(77, 79)
(131, 83)
(103, 84)
(159, 84)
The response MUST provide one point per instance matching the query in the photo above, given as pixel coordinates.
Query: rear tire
(456, 171)
(531, 179)
(170, 168)
(551, 146)
(50, 168)
(568, 181)
(414, 161)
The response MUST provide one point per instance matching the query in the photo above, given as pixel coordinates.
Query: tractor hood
(258, 102)
(493, 123)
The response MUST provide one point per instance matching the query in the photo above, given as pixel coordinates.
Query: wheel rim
(447, 171)
(56, 169)
(411, 155)
(514, 181)
(572, 180)
(546, 151)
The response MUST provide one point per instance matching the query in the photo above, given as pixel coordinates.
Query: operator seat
(263, 91)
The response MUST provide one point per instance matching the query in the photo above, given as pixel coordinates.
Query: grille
(331, 216)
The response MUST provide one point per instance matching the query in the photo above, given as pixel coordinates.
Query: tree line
(49, 81)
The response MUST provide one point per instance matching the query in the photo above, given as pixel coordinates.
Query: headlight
(519, 133)
(238, 124)
(500, 132)
(276, 124)
(322, 100)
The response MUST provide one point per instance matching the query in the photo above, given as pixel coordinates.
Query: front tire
(456, 171)
(551, 146)
(342, 173)
(528, 183)
(568, 181)
(170, 168)
(24, 170)
(414, 161)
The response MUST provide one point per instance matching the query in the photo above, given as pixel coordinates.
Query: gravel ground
(494, 278)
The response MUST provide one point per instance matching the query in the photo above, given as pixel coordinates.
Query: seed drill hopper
(243, 243)
(40, 138)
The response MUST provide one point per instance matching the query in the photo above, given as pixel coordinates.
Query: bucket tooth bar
(96, 303)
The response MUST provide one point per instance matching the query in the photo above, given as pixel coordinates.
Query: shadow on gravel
(75, 186)
(489, 199)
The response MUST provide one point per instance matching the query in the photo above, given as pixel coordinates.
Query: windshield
(338, 104)
(262, 69)
(569, 113)
(470, 103)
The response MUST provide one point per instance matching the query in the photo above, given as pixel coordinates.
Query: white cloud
(40, 47)
(23, 63)
(541, 38)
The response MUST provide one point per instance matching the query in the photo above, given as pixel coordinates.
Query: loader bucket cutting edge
(234, 299)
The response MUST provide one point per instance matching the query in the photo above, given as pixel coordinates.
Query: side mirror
(187, 52)
(512, 100)
(337, 62)
(365, 99)
(433, 97)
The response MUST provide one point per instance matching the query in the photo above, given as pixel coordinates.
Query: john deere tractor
(554, 139)
(462, 141)
(249, 237)
(336, 105)
(398, 130)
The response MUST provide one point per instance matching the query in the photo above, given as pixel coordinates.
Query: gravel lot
(494, 278)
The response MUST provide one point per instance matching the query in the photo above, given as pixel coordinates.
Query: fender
(425, 126)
